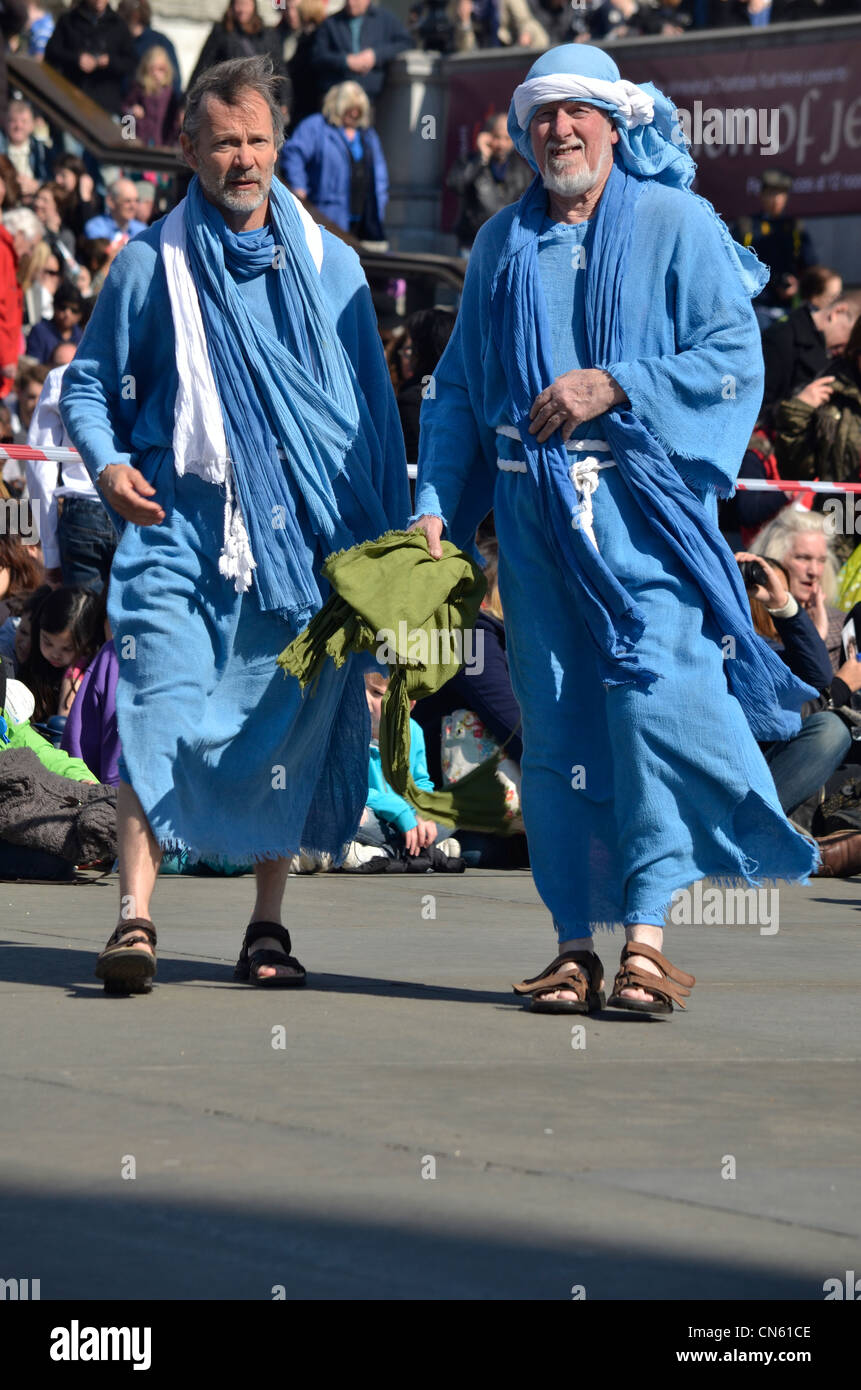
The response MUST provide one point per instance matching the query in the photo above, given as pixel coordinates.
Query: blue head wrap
(651, 143)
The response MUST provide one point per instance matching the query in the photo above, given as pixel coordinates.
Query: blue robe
(628, 794)
(229, 760)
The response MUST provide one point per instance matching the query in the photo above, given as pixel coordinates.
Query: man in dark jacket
(13, 18)
(799, 347)
(780, 242)
(92, 47)
(358, 42)
(488, 180)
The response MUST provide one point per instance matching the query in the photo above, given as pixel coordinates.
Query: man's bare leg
(271, 876)
(139, 856)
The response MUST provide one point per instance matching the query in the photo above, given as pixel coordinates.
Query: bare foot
(568, 967)
(648, 967)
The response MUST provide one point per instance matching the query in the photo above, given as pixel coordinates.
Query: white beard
(574, 184)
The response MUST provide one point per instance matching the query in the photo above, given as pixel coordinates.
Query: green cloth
(410, 611)
(849, 581)
(54, 759)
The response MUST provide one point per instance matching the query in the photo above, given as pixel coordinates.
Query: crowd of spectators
(63, 220)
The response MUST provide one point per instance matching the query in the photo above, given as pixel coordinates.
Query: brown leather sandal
(585, 982)
(672, 985)
(124, 967)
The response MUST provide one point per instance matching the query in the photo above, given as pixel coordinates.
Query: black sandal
(249, 963)
(124, 967)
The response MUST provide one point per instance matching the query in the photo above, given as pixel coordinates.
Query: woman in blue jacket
(335, 159)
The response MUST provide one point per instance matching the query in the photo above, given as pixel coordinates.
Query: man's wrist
(617, 394)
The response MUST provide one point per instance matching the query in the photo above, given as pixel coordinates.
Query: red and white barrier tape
(24, 451)
(767, 485)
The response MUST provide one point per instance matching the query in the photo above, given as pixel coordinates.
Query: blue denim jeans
(87, 541)
(802, 764)
(388, 838)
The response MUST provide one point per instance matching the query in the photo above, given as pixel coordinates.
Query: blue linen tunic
(228, 758)
(628, 795)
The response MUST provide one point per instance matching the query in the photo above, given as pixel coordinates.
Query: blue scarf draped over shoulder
(297, 391)
(767, 691)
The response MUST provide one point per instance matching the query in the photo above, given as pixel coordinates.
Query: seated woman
(801, 765)
(802, 541)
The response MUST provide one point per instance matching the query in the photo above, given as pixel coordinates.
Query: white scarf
(633, 105)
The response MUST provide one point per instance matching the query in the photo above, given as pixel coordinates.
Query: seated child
(66, 631)
(16, 708)
(391, 833)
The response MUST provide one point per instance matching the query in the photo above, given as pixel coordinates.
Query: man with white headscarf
(598, 392)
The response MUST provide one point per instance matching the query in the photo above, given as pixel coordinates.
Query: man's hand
(483, 145)
(573, 399)
(411, 839)
(432, 526)
(817, 392)
(86, 62)
(127, 490)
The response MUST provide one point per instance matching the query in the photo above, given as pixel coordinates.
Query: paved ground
(556, 1166)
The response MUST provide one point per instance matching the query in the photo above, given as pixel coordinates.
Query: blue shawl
(767, 691)
(298, 392)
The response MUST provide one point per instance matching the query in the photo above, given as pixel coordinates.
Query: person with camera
(801, 765)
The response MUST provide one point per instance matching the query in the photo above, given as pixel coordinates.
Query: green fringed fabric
(391, 599)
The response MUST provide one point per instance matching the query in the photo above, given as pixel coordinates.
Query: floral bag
(465, 744)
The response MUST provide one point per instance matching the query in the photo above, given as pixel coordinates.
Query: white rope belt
(583, 474)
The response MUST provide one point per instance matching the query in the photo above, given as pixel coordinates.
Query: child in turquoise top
(390, 826)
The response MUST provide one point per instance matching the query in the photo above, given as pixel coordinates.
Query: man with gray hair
(119, 220)
(222, 400)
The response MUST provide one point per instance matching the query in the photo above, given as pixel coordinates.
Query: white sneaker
(361, 854)
(305, 863)
(451, 847)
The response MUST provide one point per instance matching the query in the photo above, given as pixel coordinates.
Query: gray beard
(223, 195)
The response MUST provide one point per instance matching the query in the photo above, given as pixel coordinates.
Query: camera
(752, 573)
